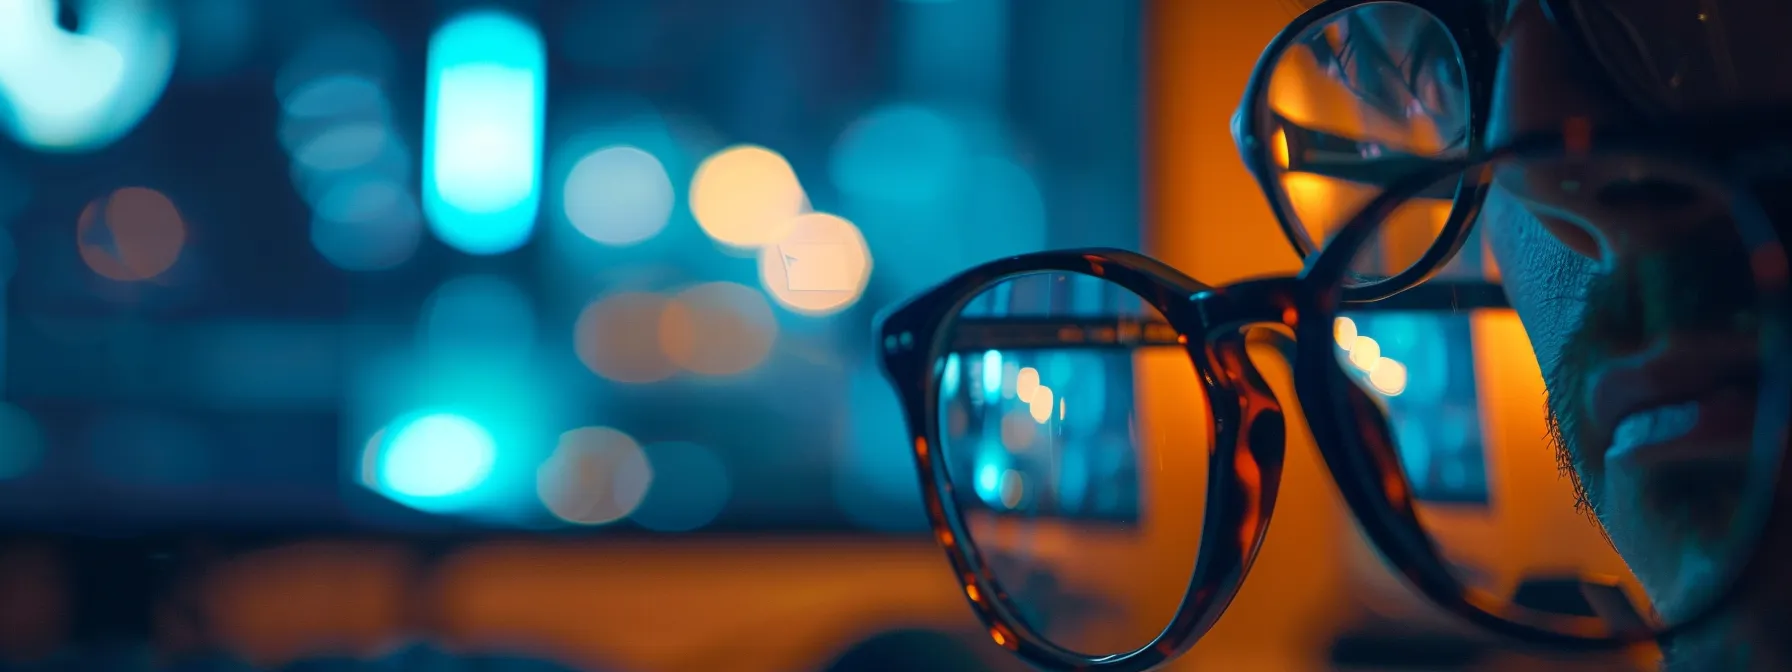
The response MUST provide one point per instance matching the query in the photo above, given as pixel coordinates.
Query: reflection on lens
(1621, 483)
(1357, 101)
(1074, 431)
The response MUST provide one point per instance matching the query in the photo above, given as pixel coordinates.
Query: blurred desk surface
(740, 604)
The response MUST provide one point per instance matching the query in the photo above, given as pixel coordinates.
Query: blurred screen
(540, 266)
(1435, 409)
(1422, 365)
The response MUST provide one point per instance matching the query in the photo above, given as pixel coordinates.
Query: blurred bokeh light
(901, 153)
(349, 162)
(617, 337)
(819, 267)
(602, 272)
(83, 90)
(131, 234)
(746, 196)
(597, 475)
(428, 461)
(619, 195)
(483, 134)
(717, 328)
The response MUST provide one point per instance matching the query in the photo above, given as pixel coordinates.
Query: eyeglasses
(1100, 439)
(1085, 419)
(1357, 93)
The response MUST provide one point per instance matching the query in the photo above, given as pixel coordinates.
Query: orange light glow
(746, 196)
(1279, 145)
(821, 267)
(1002, 637)
(717, 329)
(1026, 380)
(617, 338)
(1344, 332)
(596, 475)
(1365, 352)
(1041, 404)
(1388, 377)
(130, 235)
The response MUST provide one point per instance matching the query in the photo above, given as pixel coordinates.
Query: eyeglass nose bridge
(1261, 301)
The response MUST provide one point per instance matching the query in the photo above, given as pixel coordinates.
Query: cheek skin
(1544, 279)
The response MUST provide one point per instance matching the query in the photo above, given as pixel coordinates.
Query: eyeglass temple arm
(1316, 152)
(1077, 333)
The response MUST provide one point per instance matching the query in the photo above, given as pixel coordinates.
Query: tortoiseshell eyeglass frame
(1247, 431)
(1476, 27)
(1349, 428)
(1735, 156)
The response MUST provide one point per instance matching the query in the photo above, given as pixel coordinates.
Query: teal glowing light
(483, 132)
(428, 461)
(989, 479)
(949, 377)
(992, 373)
(63, 91)
(900, 153)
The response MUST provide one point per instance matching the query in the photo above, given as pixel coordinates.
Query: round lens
(1356, 101)
(1591, 460)
(1075, 432)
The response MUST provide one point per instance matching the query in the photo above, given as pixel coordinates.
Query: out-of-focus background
(535, 335)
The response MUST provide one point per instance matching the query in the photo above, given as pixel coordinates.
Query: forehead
(1662, 58)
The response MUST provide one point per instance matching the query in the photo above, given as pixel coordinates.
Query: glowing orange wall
(1208, 218)
(661, 605)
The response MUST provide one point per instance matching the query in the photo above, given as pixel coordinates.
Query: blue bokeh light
(343, 147)
(428, 461)
(366, 224)
(334, 96)
(483, 132)
(992, 373)
(903, 152)
(989, 475)
(80, 92)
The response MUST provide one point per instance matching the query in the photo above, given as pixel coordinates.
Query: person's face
(1635, 291)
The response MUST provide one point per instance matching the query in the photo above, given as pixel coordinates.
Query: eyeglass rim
(1236, 510)
(1208, 321)
(1478, 48)
(1344, 440)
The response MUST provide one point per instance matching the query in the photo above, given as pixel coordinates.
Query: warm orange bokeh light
(821, 267)
(617, 338)
(596, 475)
(718, 329)
(130, 235)
(745, 196)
